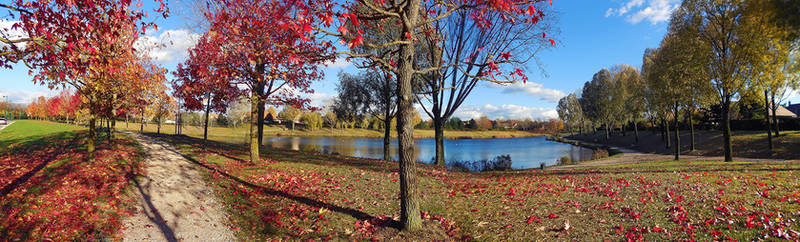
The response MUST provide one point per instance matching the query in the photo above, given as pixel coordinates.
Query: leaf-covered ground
(51, 192)
(304, 195)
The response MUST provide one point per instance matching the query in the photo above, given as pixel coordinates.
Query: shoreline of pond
(418, 134)
(603, 150)
(527, 152)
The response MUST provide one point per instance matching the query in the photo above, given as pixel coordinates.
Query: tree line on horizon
(715, 55)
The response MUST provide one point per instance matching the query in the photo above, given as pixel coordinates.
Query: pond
(525, 153)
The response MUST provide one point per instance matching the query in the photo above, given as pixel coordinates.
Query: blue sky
(594, 35)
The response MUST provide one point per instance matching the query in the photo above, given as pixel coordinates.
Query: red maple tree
(254, 48)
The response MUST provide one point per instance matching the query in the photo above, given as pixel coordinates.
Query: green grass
(300, 195)
(25, 131)
(49, 190)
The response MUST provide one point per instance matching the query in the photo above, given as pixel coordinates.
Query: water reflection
(525, 153)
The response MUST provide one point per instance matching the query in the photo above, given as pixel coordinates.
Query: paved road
(174, 202)
(6, 125)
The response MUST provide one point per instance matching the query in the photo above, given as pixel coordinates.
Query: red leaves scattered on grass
(70, 198)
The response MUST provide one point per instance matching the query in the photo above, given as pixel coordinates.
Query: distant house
(169, 121)
(269, 118)
(794, 108)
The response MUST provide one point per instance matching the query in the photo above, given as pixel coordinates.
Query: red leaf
(355, 42)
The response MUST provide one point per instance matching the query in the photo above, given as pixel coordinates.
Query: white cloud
(656, 11)
(16, 96)
(505, 111)
(169, 46)
(321, 100)
(609, 12)
(7, 31)
(533, 89)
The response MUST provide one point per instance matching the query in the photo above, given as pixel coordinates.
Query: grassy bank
(297, 195)
(750, 144)
(240, 134)
(50, 191)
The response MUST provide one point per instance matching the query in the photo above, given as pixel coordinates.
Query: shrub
(599, 153)
(499, 163)
(565, 160)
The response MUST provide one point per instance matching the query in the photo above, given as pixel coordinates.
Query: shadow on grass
(60, 179)
(747, 144)
(672, 169)
(185, 140)
(30, 145)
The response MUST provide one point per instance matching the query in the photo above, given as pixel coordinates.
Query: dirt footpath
(174, 202)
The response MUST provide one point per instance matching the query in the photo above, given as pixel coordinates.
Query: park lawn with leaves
(50, 191)
(300, 195)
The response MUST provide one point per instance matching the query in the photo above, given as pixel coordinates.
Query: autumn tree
(770, 65)
(720, 28)
(290, 114)
(596, 99)
(416, 19)
(273, 67)
(76, 43)
(569, 110)
(163, 104)
(200, 87)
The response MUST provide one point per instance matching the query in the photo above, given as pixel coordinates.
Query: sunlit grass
(301, 195)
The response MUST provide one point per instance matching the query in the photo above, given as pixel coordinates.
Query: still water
(525, 153)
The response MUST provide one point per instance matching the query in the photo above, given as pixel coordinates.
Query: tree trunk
(387, 138)
(607, 136)
(254, 101)
(439, 138)
(158, 128)
(260, 90)
(775, 118)
(636, 131)
(677, 135)
(141, 122)
(409, 198)
(205, 125)
(113, 127)
(691, 128)
(769, 124)
(666, 134)
(90, 142)
(726, 129)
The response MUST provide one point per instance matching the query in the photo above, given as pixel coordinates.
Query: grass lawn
(750, 144)
(241, 134)
(50, 191)
(296, 195)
